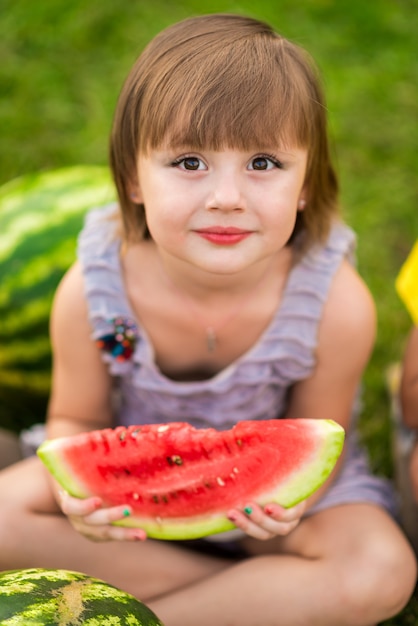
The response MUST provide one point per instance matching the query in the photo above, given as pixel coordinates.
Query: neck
(205, 286)
(218, 301)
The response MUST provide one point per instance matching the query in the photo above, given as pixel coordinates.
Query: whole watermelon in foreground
(43, 597)
(40, 217)
(181, 481)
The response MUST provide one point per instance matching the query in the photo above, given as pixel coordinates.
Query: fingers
(268, 523)
(90, 519)
(78, 506)
(106, 532)
(281, 514)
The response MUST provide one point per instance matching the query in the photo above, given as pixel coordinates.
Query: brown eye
(264, 162)
(191, 163)
(260, 163)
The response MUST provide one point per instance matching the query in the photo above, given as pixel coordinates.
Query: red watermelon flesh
(181, 481)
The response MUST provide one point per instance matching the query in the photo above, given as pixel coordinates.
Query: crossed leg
(346, 566)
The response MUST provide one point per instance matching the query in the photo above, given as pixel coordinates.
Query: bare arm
(80, 401)
(346, 339)
(80, 395)
(409, 381)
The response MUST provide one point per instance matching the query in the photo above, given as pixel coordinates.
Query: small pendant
(211, 340)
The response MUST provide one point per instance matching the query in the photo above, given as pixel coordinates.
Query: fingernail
(273, 509)
(139, 535)
(126, 512)
(248, 510)
(232, 517)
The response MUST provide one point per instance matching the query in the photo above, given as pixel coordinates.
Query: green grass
(63, 64)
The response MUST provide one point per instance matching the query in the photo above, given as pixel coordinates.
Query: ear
(302, 199)
(134, 191)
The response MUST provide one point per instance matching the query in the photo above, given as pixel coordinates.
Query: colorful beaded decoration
(121, 343)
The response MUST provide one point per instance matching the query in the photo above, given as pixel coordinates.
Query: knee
(10, 520)
(379, 583)
(10, 451)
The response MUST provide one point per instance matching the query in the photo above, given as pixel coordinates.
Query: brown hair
(219, 81)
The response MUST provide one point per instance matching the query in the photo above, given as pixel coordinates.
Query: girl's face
(221, 211)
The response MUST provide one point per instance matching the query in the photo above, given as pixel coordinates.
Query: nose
(226, 192)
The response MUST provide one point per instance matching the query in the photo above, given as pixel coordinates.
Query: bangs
(251, 93)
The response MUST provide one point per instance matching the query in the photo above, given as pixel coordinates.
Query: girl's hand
(89, 518)
(268, 522)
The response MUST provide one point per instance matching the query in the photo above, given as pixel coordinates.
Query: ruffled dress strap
(113, 324)
(291, 340)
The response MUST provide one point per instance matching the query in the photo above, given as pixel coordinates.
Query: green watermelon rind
(42, 596)
(41, 215)
(67, 190)
(297, 488)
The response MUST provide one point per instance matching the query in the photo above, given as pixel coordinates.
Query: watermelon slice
(181, 481)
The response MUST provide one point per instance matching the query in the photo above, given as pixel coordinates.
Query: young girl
(220, 288)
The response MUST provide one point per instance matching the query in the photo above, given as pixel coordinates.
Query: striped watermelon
(42, 597)
(40, 216)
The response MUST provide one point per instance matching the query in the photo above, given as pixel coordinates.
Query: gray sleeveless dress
(254, 386)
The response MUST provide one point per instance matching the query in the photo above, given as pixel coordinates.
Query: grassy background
(63, 64)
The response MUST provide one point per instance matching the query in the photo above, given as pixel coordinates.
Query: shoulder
(80, 388)
(70, 291)
(349, 295)
(348, 324)
(101, 234)
(345, 341)
(69, 308)
(339, 244)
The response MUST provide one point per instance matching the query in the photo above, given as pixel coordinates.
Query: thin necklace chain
(212, 332)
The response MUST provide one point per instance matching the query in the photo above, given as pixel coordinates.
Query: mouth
(223, 235)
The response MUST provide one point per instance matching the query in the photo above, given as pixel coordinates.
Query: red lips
(225, 236)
